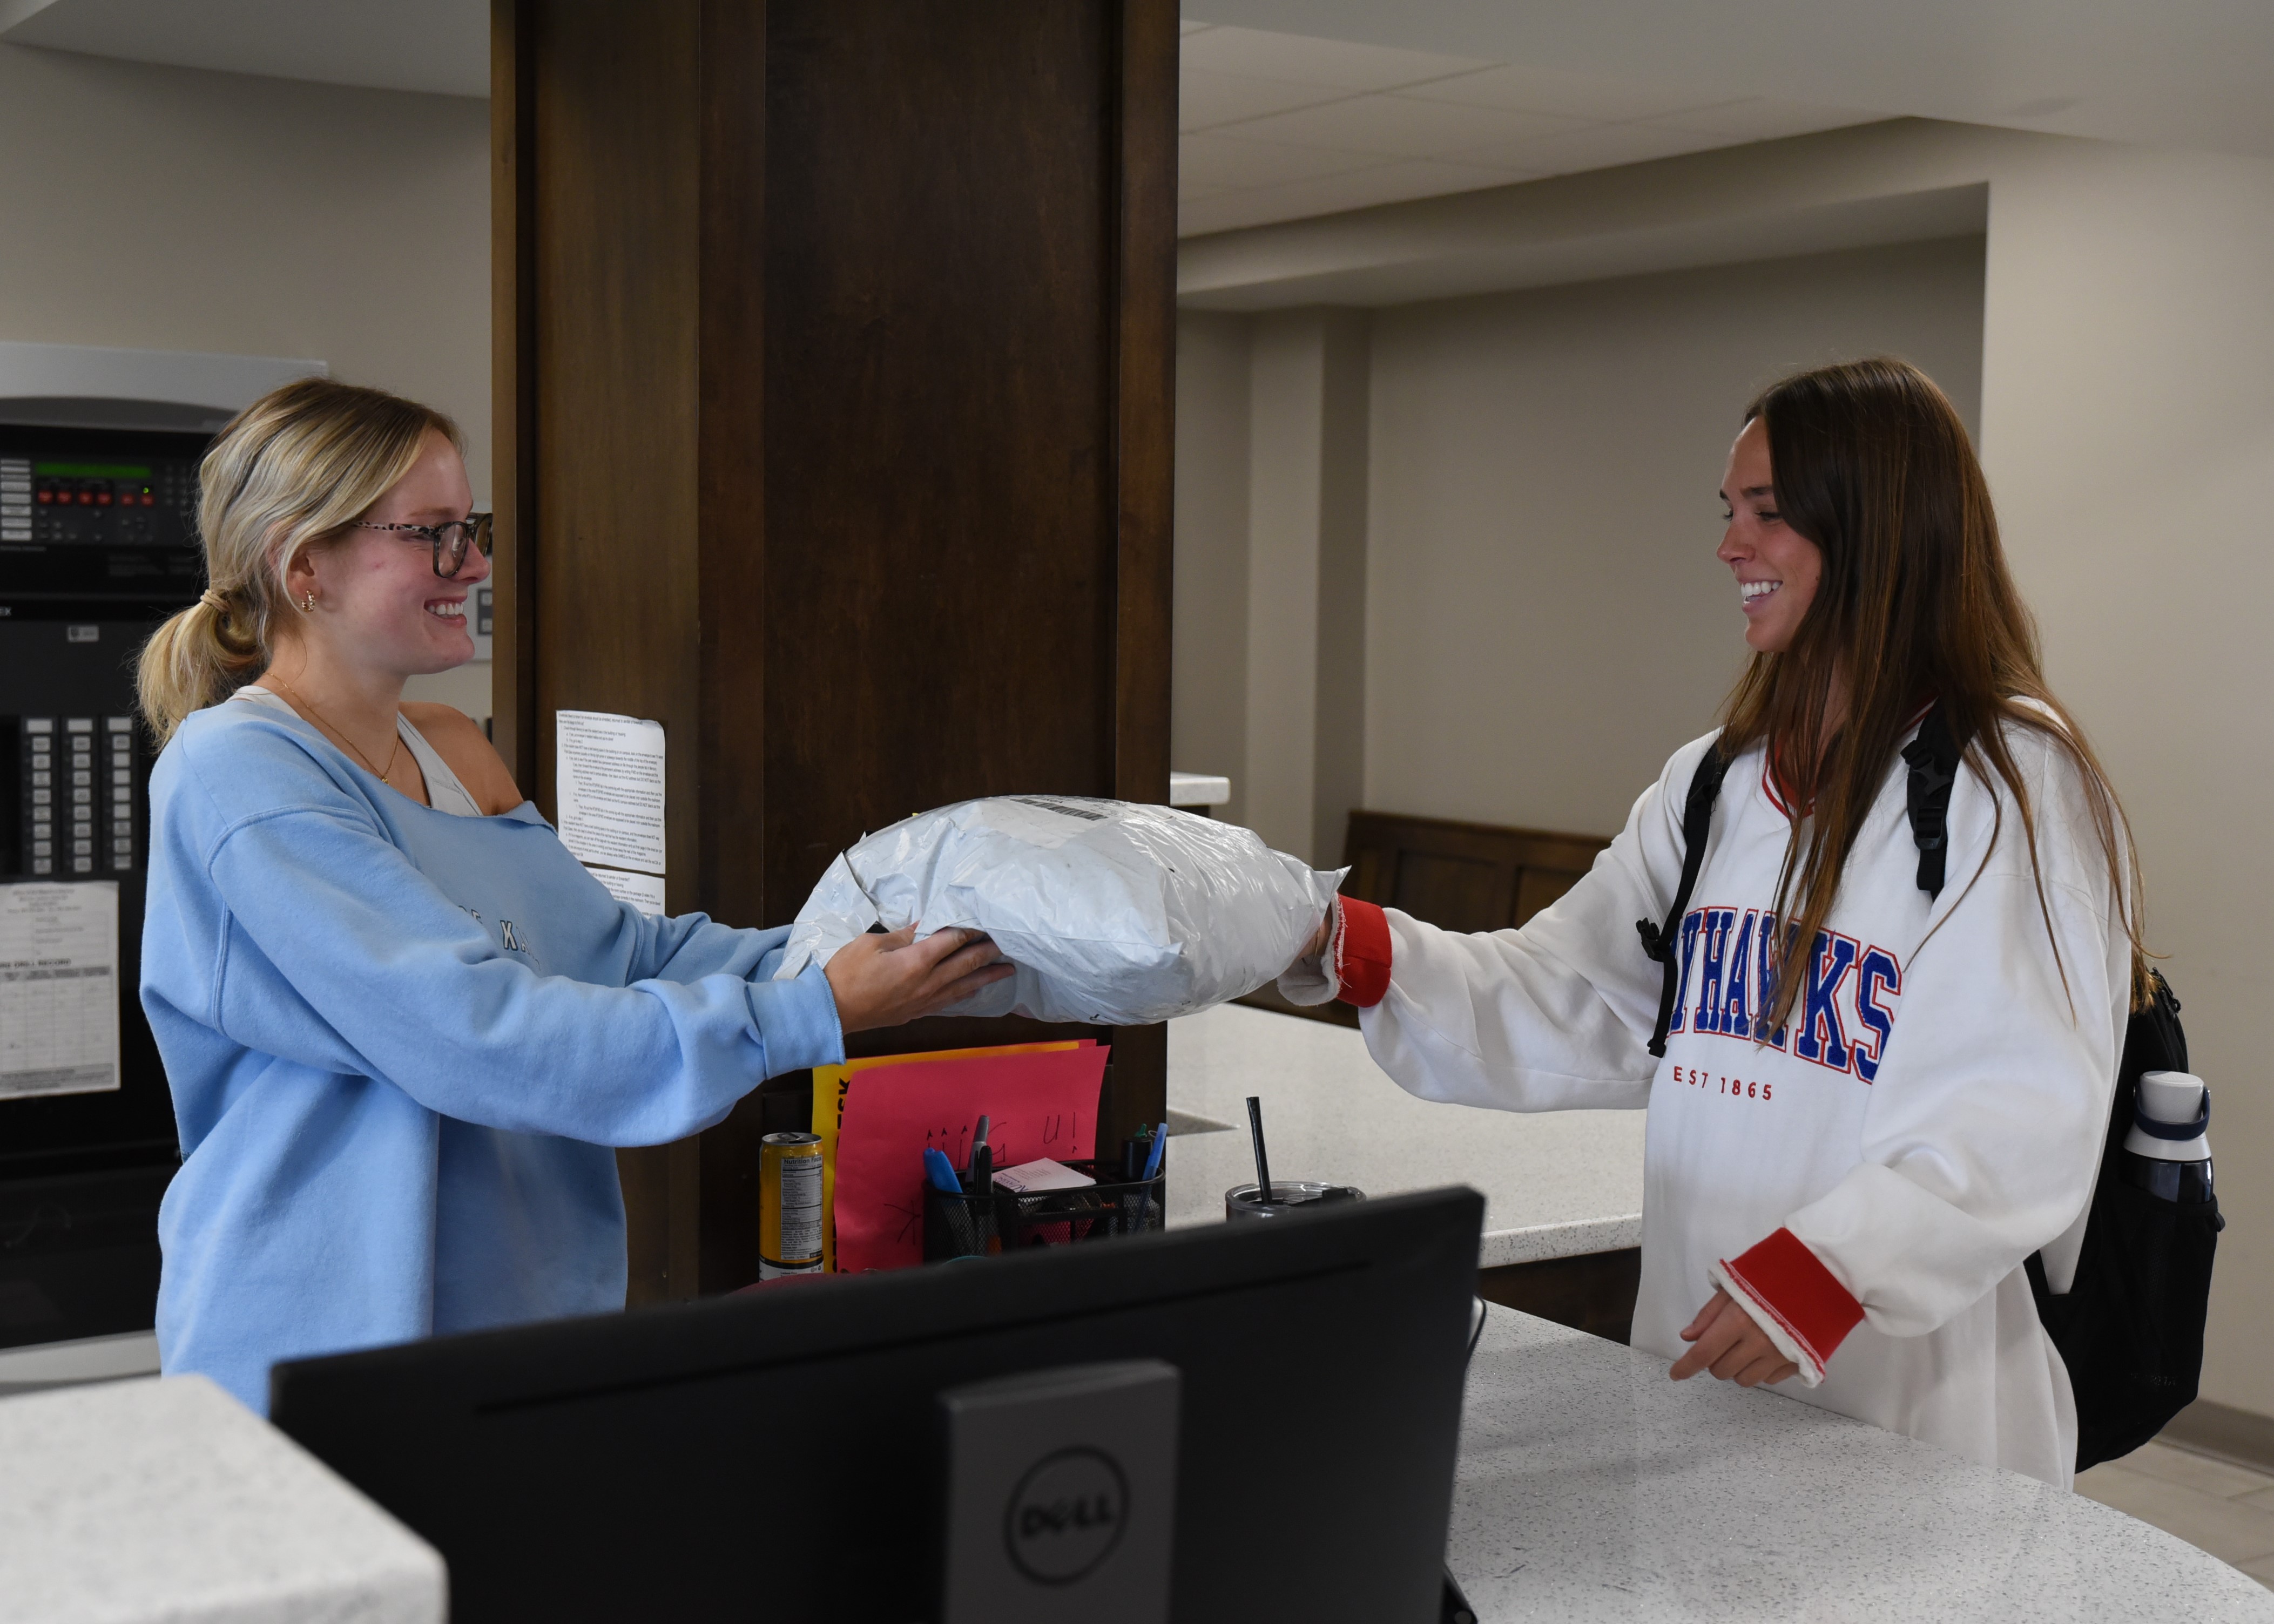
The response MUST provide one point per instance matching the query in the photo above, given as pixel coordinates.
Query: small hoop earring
(308, 603)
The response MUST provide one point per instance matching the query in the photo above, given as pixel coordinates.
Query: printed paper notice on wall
(644, 892)
(58, 988)
(610, 779)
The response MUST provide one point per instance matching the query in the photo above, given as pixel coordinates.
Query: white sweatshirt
(1868, 1183)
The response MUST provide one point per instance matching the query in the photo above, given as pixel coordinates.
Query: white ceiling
(1299, 108)
(2193, 74)
(1277, 126)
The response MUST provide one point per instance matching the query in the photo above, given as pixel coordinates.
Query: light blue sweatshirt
(401, 1043)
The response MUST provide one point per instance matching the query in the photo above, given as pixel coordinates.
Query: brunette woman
(1874, 1103)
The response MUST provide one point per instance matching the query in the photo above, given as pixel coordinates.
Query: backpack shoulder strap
(1659, 941)
(1933, 758)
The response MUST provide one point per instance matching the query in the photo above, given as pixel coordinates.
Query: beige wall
(1547, 619)
(1269, 661)
(1477, 534)
(2126, 423)
(173, 208)
(1307, 485)
(2128, 431)
(1208, 709)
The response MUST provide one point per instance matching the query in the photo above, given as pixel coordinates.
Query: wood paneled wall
(834, 342)
(1462, 877)
(1459, 877)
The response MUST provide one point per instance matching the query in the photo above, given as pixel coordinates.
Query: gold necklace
(318, 716)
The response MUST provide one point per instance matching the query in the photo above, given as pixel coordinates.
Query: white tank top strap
(444, 792)
(253, 693)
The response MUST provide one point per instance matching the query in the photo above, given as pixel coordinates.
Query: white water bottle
(2167, 1152)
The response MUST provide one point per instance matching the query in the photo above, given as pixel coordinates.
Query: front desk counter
(1562, 1189)
(1592, 1488)
(1556, 1184)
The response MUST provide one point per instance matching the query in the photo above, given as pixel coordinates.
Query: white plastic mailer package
(1114, 912)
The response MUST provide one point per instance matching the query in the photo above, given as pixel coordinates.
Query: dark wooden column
(834, 388)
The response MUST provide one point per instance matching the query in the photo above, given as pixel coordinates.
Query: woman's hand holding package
(1725, 1341)
(1317, 945)
(881, 980)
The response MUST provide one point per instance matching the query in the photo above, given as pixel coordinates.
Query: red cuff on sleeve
(1362, 953)
(1788, 1280)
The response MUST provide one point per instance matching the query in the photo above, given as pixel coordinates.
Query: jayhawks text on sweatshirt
(1866, 1180)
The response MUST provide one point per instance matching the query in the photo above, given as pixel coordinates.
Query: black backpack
(2130, 1327)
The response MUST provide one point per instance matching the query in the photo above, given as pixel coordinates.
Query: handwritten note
(1038, 1104)
(831, 1085)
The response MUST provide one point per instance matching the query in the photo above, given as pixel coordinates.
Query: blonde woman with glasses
(404, 1028)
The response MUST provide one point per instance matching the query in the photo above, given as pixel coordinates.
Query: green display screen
(91, 471)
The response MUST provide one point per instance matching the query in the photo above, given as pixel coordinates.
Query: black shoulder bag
(2130, 1327)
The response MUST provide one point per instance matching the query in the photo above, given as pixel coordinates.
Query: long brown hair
(1871, 464)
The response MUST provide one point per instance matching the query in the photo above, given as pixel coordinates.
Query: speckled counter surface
(164, 1498)
(1556, 1184)
(1592, 1488)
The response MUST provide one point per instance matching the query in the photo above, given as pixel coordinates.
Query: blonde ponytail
(291, 471)
(199, 658)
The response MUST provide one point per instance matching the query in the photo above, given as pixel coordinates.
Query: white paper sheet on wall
(58, 988)
(644, 892)
(610, 779)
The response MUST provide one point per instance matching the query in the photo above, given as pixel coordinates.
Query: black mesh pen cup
(977, 1226)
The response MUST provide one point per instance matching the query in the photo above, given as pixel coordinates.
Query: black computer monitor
(776, 1456)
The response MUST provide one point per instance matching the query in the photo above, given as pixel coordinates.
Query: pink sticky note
(1037, 1105)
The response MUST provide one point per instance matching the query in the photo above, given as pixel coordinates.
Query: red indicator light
(86, 499)
(45, 495)
(102, 498)
(149, 500)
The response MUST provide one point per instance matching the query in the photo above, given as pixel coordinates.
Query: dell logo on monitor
(1066, 1516)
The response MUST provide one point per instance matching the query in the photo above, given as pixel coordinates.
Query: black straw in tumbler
(1262, 1162)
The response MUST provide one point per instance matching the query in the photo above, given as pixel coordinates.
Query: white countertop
(89, 1358)
(1592, 1488)
(1556, 1184)
(1198, 789)
(164, 1498)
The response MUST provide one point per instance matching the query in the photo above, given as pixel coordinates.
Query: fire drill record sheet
(58, 988)
(609, 783)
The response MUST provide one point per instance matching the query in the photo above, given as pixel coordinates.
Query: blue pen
(941, 1171)
(1152, 1172)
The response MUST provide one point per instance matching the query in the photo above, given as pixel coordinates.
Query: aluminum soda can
(789, 1205)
